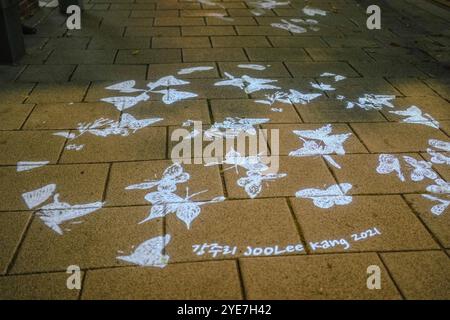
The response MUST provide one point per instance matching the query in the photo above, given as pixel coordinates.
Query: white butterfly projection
(320, 142)
(172, 176)
(327, 198)
(194, 69)
(247, 83)
(336, 77)
(233, 127)
(293, 96)
(30, 165)
(234, 158)
(414, 115)
(150, 253)
(251, 66)
(387, 163)
(420, 169)
(268, 4)
(252, 183)
(372, 102)
(288, 26)
(439, 156)
(57, 212)
(310, 11)
(311, 24)
(322, 86)
(442, 188)
(437, 209)
(36, 197)
(166, 202)
(170, 95)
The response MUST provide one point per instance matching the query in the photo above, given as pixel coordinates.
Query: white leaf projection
(149, 253)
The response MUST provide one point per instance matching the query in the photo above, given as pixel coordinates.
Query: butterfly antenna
(195, 194)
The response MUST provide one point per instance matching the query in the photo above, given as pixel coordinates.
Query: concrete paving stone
(126, 21)
(94, 243)
(208, 31)
(404, 54)
(203, 13)
(148, 13)
(354, 88)
(29, 146)
(120, 43)
(437, 224)
(291, 142)
(315, 69)
(412, 87)
(145, 56)
(386, 69)
(172, 115)
(241, 12)
(296, 42)
(338, 54)
(76, 184)
(156, 71)
(277, 54)
(60, 116)
(79, 56)
(15, 92)
(437, 107)
(273, 69)
(13, 225)
(335, 111)
(248, 108)
(58, 92)
(242, 223)
(287, 11)
(342, 276)
(34, 43)
(396, 137)
(363, 225)
(441, 86)
(177, 5)
(10, 73)
(214, 54)
(47, 73)
(351, 42)
(205, 89)
(43, 286)
(125, 174)
(35, 57)
(420, 275)
(301, 173)
(12, 116)
(107, 30)
(109, 72)
(152, 32)
(124, 12)
(134, 7)
(181, 42)
(145, 144)
(235, 21)
(360, 171)
(240, 42)
(432, 69)
(211, 280)
(178, 21)
(226, 5)
(445, 126)
(260, 31)
(67, 43)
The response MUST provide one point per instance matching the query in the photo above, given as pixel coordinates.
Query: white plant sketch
(38, 196)
(329, 197)
(247, 83)
(166, 202)
(310, 11)
(414, 115)
(194, 69)
(149, 253)
(30, 165)
(56, 213)
(387, 163)
(420, 169)
(172, 176)
(252, 183)
(320, 142)
(233, 127)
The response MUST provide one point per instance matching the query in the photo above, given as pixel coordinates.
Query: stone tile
(145, 144)
(272, 69)
(300, 84)
(76, 184)
(240, 12)
(329, 111)
(226, 5)
(208, 31)
(338, 54)
(420, 275)
(437, 224)
(241, 224)
(411, 87)
(435, 106)
(314, 277)
(44, 286)
(177, 21)
(49, 73)
(235, 21)
(67, 43)
(358, 223)
(69, 115)
(313, 171)
(240, 42)
(109, 72)
(139, 13)
(351, 42)
(396, 137)
(181, 42)
(277, 54)
(125, 174)
(12, 116)
(441, 86)
(291, 142)
(148, 56)
(207, 280)
(297, 42)
(205, 89)
(176, 5)
(120, 43)
(214, 54)
(29, 146)
(386, 69)
(58, 92)
(152, 32)
(94, 243)
(260, 31)
(247, 108)
(11, 93)
(445, 126)
(127, 21)
(315, 69)
(35, 56)
(353, 88)
(13, 225)
(10, 73)
(156, 71)
(360, 171)
(203, 13)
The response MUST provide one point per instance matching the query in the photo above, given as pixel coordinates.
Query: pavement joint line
(391, 277)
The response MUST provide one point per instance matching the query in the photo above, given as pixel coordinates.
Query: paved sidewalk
(363, 116)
